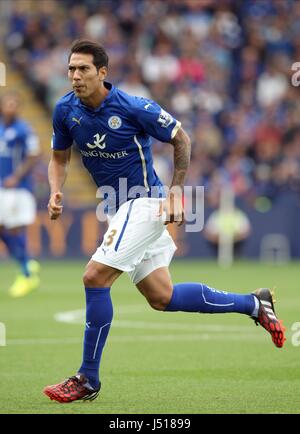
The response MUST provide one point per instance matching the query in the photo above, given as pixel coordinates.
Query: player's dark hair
(89, 47)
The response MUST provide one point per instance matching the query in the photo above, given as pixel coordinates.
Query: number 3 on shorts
(110, 237)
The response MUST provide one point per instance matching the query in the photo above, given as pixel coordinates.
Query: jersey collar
(112, 90)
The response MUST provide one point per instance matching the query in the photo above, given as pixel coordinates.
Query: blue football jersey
(17, 141)
(114, 140)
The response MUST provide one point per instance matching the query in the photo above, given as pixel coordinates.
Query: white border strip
(143, 163)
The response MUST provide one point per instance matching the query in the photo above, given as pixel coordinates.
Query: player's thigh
(129, 235)
(98, 275)
(157, 287)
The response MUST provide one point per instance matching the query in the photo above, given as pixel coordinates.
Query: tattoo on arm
(182, 156)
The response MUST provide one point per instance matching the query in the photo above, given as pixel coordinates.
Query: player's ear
(102, 72)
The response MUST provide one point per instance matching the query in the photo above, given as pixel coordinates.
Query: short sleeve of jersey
(61, 138)
(155, 120)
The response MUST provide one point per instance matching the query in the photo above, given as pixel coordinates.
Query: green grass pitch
(154, 362)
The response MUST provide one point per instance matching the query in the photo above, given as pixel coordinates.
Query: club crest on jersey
(114, 122)
(164, 119)
(98, 142)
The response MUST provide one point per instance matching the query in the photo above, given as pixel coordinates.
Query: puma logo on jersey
(77, 120)
(98, 142)
(147, 106)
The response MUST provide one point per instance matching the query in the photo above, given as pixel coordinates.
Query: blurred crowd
(222, 67)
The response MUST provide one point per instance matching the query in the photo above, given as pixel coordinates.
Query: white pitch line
(43, 341)
(78, 317)
(141, 338)
(147, 325)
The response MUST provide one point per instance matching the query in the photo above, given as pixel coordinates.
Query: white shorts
(17, 207)
(136, 241)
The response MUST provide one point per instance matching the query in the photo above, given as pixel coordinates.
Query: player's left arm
(160, 124)
(173, 205)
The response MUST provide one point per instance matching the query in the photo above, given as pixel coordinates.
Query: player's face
(9, 107)
(84, 76)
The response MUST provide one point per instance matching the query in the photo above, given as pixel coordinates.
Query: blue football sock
(99, 314)
(197, 297)
(17, 247)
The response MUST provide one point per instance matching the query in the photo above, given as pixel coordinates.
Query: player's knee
(93, 279)
(89, 278)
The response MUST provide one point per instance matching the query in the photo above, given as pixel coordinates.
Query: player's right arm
(57, 174)
(60, 159)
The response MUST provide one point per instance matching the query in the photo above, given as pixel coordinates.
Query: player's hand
(10, 182)
(55, 207)
(173, 208)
